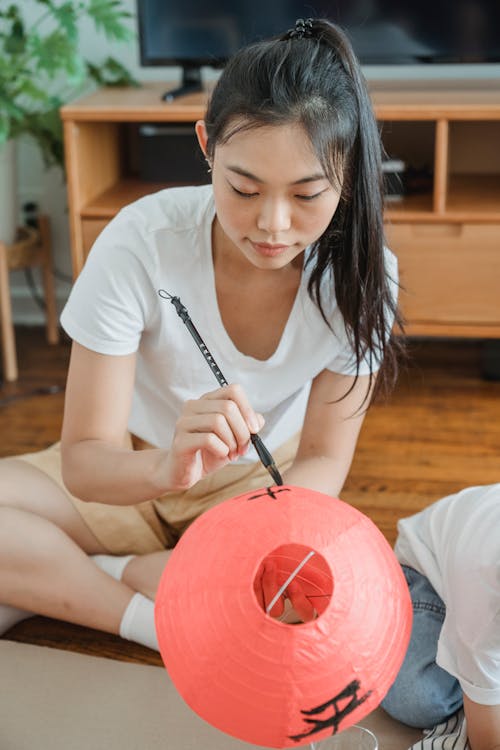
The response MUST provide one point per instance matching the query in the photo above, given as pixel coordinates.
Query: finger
(270, 587)
(252, 419)
(228, 411)
(320, 603)
(300, 602)
(257, 587)
(192, 456)
(290, 616)
(187, 444)
(207, 422)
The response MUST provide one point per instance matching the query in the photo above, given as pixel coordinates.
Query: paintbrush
(261, 450)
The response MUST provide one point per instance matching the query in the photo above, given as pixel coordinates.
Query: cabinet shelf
(110, 201)
(470, 198)
(416, 207)
(474, 198)
(447, 238)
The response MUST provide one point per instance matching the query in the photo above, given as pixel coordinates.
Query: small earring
(209, 166)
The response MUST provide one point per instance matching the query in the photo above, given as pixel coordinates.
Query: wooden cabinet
(445, 232)
(450, 273)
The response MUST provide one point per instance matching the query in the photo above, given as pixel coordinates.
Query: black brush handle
(265, 457)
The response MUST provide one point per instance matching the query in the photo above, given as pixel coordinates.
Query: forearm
(331, 427)
(483, 725)
(96, 471)
(321, 473)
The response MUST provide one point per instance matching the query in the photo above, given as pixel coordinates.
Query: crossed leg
(44, 549)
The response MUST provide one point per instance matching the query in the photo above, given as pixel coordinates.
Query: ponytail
(311, 76)
(354, 249)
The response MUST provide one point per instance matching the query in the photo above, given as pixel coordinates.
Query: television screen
(196, 32)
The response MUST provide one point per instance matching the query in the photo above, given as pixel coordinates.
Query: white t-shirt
(163, 241)
(455, 543)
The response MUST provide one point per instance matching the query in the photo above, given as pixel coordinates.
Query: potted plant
(42, 67)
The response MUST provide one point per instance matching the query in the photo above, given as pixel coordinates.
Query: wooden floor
(438, 432)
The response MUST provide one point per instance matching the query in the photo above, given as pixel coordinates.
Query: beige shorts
(156, 524)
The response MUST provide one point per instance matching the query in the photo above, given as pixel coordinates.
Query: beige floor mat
(58, 700)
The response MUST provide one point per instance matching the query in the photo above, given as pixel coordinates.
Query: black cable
(35, 294)
(34, 291)
(61, 275)
(30, 211)
(48, 390)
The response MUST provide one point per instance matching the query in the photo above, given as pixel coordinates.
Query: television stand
(445, 230)
(191, 83)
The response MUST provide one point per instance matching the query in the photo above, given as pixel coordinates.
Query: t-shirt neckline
(224, 341)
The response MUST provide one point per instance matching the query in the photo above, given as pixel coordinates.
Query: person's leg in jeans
(423, 694)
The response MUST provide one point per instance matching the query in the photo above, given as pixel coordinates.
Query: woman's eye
(309, 197)
(242, 193)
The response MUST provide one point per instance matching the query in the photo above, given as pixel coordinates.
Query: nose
(274, 216)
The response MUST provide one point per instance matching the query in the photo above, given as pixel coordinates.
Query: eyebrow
(302, 181)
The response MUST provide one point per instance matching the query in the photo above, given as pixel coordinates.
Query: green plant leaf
(29, 89)
(111, 73)
(9, 108)
(55, 53)
(15, 42)
(4, 128)
(46, 128)
(66, 15)
(41, 65)
(108, 17)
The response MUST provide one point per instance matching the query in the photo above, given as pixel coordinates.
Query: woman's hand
(212, 431)
(293, 606)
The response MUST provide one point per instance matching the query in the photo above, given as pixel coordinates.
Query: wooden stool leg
(52, 326)
(8, 338)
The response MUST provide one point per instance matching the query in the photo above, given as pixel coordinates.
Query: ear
(201, 134)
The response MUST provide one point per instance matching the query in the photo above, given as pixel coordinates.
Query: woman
(281, 264)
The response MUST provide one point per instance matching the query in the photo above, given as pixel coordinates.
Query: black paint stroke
(350, 691)
(270, 492)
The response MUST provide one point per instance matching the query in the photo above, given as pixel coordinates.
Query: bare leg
(44, 545)
(143, 572)
(44, 571)
(24, 487)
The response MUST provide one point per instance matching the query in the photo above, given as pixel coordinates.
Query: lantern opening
(293, 584)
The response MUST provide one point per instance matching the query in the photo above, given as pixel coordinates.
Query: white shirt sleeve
(469, 643)
(455, 543)
(109, 304)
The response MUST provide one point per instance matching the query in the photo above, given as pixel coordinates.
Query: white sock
(138, 622)
(10, 616)
(113, 565)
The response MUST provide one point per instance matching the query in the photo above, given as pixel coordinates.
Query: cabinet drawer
(450, 272)
(91, 229)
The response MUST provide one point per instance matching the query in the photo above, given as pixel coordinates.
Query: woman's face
(272, 197)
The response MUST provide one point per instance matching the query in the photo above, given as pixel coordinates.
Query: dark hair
(315, 80)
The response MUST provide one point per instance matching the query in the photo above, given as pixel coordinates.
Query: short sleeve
(474, 658)
(110, 302)
(469, 643)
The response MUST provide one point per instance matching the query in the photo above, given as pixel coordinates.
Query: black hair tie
(303, 29)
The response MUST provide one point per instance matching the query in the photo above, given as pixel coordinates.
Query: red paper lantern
(256, 678)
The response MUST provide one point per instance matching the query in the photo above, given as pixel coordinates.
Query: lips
(270, 251)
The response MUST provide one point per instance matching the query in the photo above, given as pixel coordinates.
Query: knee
(7, 480)
(425, 699)
(423, 694)
(24, 536)
(13, 537)
(13, 483)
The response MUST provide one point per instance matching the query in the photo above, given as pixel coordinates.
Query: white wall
(47, 187)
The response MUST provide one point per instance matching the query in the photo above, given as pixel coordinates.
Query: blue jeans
(423, 694)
